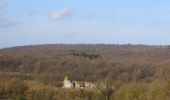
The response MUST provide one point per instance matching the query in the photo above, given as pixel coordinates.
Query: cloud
(6, 23)
(2, 5)
(60, 15)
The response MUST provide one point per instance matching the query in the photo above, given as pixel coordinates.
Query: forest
(36, 72)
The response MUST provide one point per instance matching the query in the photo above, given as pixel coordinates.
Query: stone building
(74, 84)
(67, 83)
(88, 85)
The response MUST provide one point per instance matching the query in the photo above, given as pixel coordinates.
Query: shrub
(132, 91)
(15, 89)
(158, 91)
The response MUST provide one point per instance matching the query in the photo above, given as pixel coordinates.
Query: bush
(15, 89)
(2, 92)
(163, 72)
(158, 91)
(38, 91)
(132, 91)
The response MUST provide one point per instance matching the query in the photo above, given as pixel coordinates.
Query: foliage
(131, 91)
(121, 72)
(15, 89)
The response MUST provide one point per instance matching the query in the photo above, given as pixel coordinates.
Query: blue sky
(27, 22)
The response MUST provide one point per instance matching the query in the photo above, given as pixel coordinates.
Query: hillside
(72, 60)
(48, 64)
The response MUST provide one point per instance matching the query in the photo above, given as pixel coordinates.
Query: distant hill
(127, 47)
(84, 61)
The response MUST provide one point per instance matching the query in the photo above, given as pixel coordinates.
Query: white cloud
(60, 15)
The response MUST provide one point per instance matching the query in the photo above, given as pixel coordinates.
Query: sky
(31, 22)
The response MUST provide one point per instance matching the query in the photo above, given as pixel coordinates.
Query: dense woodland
(138, 72)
